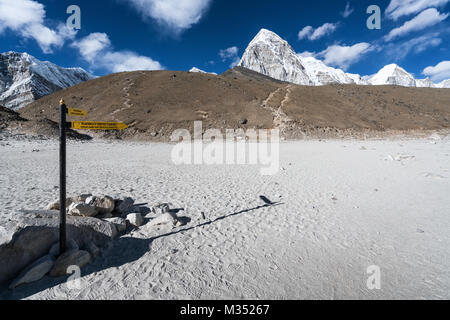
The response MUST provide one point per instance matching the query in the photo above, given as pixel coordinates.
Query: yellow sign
(76, 112)
(97, 125)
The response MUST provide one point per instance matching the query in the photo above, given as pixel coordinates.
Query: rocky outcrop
(32, 235)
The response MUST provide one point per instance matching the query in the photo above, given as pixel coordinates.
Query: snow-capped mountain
(272, 56)
(444, 84)
(394, 75)
(197, 70)
(321, 74)
(24, 79)
(425, 83)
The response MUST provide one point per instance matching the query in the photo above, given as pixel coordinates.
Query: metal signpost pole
(62, 177)
(77, 125)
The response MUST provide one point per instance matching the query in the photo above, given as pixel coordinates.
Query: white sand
(346, 205)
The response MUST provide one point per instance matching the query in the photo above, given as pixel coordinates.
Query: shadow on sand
(121, 251)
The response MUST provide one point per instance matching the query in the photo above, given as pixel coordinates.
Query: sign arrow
(97, 125)
(76, 112)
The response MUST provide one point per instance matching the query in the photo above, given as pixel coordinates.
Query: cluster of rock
(30, 246)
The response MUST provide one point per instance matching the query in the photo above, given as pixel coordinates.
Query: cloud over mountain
(26, 18)
(315, 34)
(400, 8)
(177, 15)
(344, 56)
(439, 72)
(425, 19)
(97, 50)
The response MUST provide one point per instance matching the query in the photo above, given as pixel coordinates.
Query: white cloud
(425, 19)
(26, 17)
(230, 54)
(96, 49)
(400, 8)
(92, 45)
(177, 15)
(129, 61)
(344, 56)
(306, 54)
(315, 34)
(305, 32)
(398, 51)
(439, 72)
(347, 11)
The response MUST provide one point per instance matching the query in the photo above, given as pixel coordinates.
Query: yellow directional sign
(97, 125)
(76, 112)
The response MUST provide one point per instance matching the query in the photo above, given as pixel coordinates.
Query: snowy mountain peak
(272, 56)
(394, 75)
(23, 78)
(267, 35)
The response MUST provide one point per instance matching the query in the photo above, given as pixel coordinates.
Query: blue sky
(118, 35)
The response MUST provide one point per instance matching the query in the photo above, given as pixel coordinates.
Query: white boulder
(135, 219)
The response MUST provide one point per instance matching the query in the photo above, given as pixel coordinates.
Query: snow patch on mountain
(197, 70)
(24, 79)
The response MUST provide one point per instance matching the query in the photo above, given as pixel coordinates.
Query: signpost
(76, 112)
(77, 125)
(97, 125)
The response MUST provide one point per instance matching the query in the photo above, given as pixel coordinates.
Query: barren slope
(154, 103)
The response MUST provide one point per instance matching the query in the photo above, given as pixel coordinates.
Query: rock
(125, 205)
(135, 219)
(82, 209)
(93, 249)
(105, 216)
(34, 272)
(90, 200)
(120, 223)
(166, 218)
(70, 245)
(31, 235)
(53, 205)
(78, 258)
(81, 198)
(161, 208)
(104, 204)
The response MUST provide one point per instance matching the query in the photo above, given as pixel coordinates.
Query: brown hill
(15, 124)
(154, 103)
